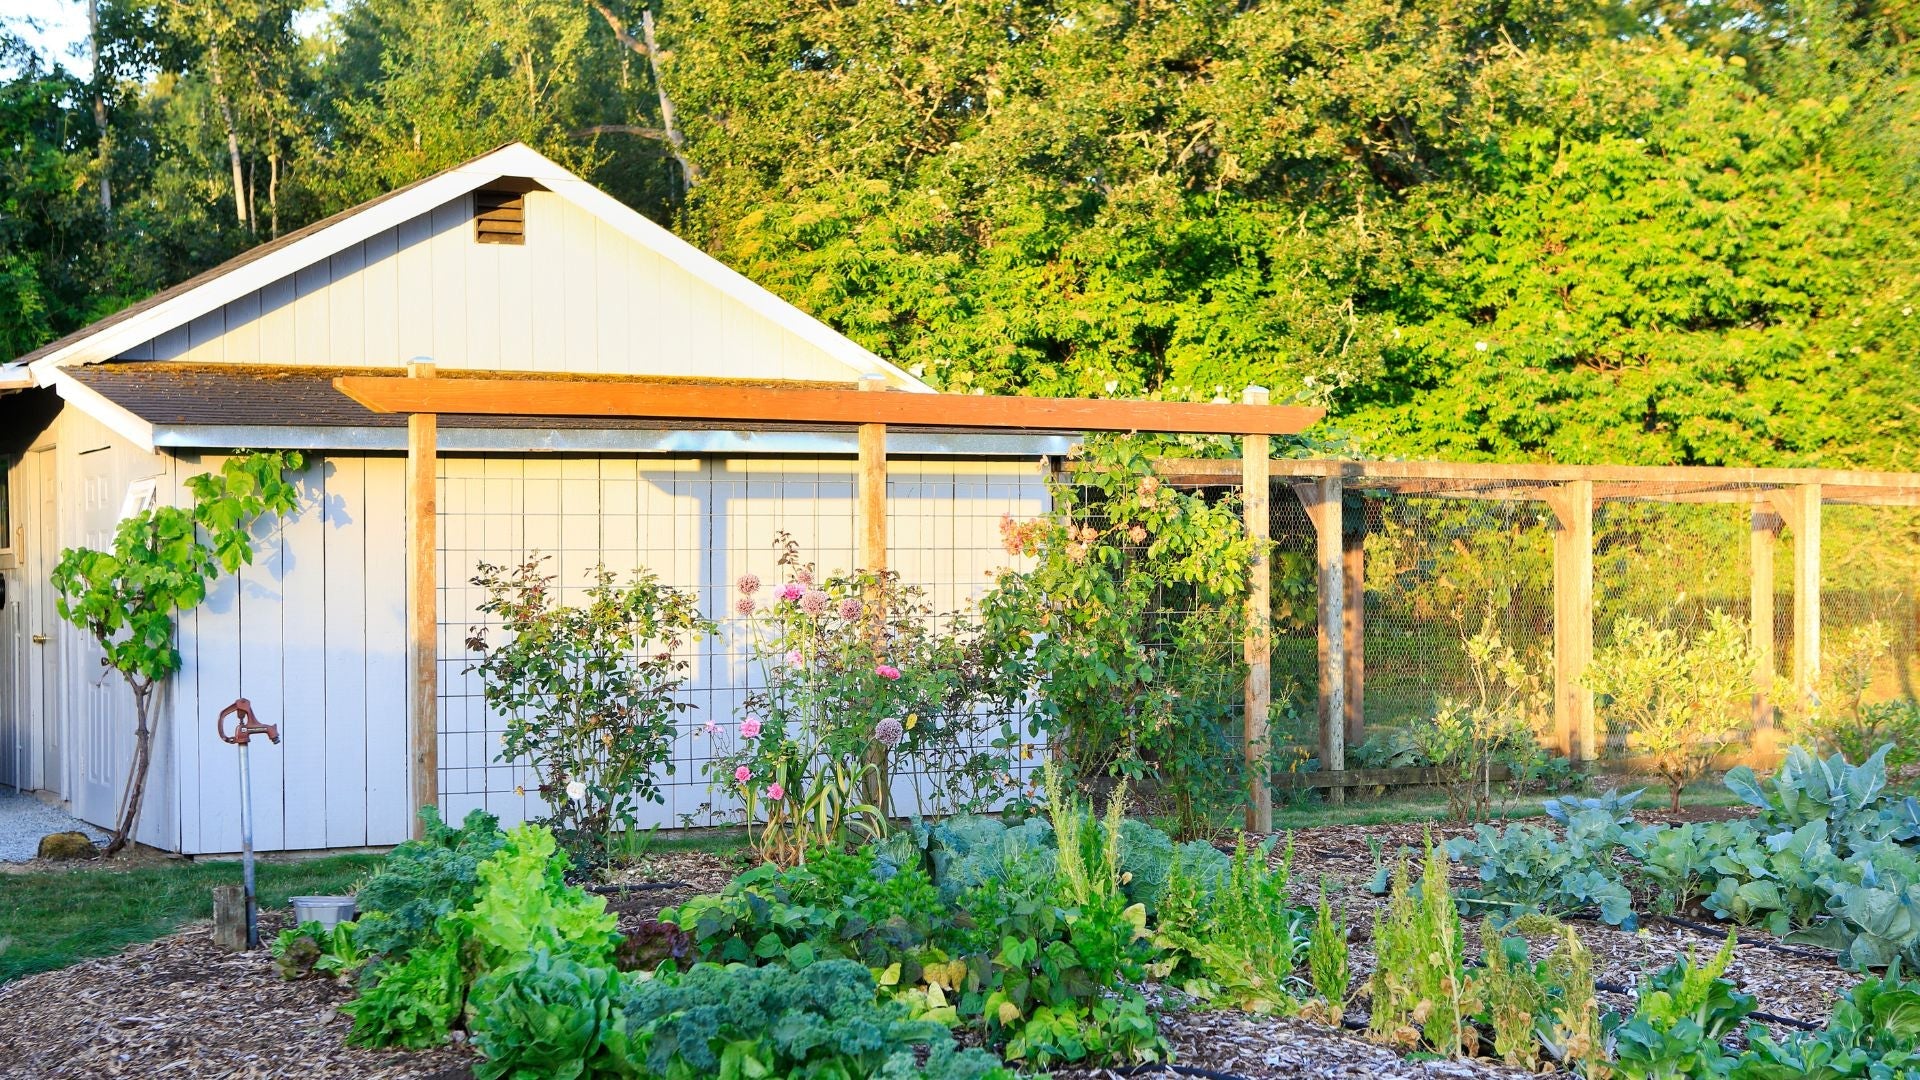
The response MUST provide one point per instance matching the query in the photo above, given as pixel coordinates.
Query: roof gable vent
(499, 217)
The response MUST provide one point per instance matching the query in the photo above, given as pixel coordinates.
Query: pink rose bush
(841, 659)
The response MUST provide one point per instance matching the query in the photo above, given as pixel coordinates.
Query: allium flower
(889, 732)
(743, 774)
(792, 590)
(776, 792)
(813, 602)
(794, 659)
(748, 584)
(576, 790)
(803, 577)
(744, 605)
(750, 728)
(850, 609)
(887, 671)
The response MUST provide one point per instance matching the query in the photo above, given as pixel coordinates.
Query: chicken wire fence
(699, 524)
(1445, 562)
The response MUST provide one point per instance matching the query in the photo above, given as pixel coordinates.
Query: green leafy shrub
(1679, 699)
(1838, 719)
(1125, 631)
(591, 693)
(1466, 739)
(823, 1023)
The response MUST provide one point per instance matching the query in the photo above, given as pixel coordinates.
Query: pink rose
(711, 727)
(743, 774)
(887, 671)
(794, 659)
(792, 590)
(776, 792)
(750, 727)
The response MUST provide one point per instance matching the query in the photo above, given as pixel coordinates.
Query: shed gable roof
(740, 320)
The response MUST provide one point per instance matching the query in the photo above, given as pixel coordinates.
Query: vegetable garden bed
(180, 1007)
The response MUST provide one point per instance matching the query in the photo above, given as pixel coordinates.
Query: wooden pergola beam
(1838, 485)
(747, 404)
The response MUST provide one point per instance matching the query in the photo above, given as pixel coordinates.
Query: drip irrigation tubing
(1789, 950)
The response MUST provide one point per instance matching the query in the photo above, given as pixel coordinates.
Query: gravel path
(25, 819)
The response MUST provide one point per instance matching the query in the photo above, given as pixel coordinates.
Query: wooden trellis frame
(1781, 498)
(424, 397)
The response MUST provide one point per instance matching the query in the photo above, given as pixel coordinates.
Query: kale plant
(823, 1022)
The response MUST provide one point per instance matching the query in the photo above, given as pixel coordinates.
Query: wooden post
(1353, 624)
(1765, 532)
(1800, 506)
(1572, 504)
(1254, 480)
(423, 608)
(1321, 499)
(230, 918)
(873, 486)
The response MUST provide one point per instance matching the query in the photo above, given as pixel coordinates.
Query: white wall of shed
(579, 296)
(313, 634)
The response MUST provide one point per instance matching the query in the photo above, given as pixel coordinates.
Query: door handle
(39, 639)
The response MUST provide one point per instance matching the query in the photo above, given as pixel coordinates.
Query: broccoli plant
(162, 563)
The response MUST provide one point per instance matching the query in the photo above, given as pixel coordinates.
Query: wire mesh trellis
(698, 523)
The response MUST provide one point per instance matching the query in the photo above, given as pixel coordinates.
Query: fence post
(1321, 499)
(1572, 504)
(1765, 531)
(1800, 506)
(1353, 623)
(423, 608)
(1254, 479)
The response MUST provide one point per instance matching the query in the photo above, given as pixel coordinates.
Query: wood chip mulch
(180, 1006)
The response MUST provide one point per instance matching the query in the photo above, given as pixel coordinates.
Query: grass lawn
(51, 919)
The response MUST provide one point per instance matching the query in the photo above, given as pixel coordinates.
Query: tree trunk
(100, 112)
(669, 131)
(273, 192)
(233, 135)
(137, 771)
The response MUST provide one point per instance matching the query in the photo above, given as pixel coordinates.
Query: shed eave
(614, 441)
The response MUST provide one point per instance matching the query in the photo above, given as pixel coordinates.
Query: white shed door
(98, 698)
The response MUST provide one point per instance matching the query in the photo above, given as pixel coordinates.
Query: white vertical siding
(577, 296)
(314, 633)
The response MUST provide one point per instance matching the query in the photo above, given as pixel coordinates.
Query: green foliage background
(1580, 230)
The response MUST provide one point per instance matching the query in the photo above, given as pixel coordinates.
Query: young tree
(162, 563)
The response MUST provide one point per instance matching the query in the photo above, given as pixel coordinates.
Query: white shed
(507, 263)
